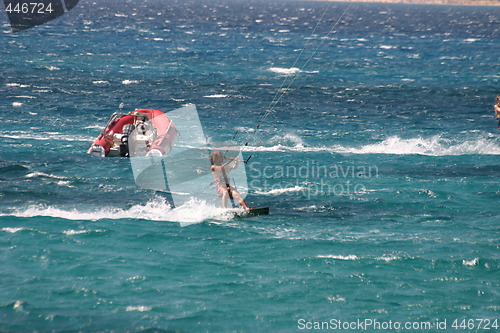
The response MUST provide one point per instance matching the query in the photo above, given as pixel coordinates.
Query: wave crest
(156, 209)
(432, 146)
(285, 71)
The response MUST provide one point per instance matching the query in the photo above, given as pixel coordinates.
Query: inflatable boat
(144, 132)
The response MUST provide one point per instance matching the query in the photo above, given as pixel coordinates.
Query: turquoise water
(380, 165)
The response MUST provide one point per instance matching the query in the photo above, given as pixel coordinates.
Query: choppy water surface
(380, 165)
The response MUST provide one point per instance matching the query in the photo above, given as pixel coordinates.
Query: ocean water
(380, 164)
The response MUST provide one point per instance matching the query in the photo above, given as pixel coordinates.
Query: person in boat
(220, 171)
(497, 111)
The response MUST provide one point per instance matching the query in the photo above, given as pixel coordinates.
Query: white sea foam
(18, 305)
(75, 232)
(355, 257)
(79, 232)
(12, 230)
(100, 82)
(337, 298)
(472, 262)
(42, 174)
(447, 279)
(245, 129)
(140, 308)
(285, 71)
(216, 96)
(388, 258)
(14, 84)
(288, 140)
(311, 208)
(100, 127)
(126, 82)
(65, 183)
(156, 209)
(339, 257)
(432, 146)
(25, 96)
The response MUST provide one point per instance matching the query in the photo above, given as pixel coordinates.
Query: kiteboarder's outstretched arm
(232, 167)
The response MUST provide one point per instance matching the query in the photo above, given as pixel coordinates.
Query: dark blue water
(381, 165)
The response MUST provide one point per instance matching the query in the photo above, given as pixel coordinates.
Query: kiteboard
(252, 212)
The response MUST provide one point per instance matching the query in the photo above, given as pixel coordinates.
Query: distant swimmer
(220, 171)
(497, 111)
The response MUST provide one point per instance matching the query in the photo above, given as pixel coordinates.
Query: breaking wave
(44, 175)
(156, 209)
(12, 230)
(127, 82)
(433, 146)
(285, 71)
(216, 96)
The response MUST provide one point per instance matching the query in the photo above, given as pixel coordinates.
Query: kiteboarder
(497, 111)
(220, 171)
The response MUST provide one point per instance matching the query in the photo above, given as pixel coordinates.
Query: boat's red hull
(113, 140)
